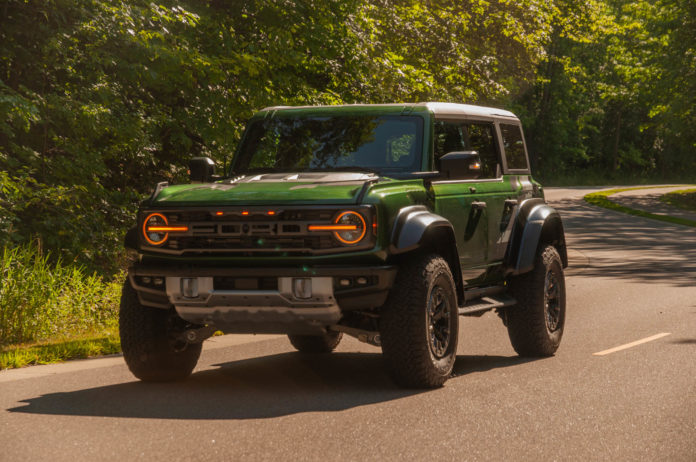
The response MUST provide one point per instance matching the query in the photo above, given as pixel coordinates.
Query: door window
(467, 136)
(514, 147)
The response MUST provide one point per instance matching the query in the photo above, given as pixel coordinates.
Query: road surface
(631, 284)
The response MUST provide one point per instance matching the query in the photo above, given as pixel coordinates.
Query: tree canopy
(99, 100)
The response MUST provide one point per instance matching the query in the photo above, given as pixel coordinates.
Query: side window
(467, 136)
(514, 147)
(448, 138)
(480, 138)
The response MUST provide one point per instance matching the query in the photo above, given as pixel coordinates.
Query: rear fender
(536, 223)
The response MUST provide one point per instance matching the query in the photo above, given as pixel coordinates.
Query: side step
(480, 305)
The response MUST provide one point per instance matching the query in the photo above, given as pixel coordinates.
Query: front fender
(411, 225)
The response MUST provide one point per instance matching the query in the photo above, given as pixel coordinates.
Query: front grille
(248, 232)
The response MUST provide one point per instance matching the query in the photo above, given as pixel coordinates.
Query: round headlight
(356, 228)
(150, 225)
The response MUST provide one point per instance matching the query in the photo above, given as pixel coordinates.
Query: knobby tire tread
(402, 325)
(146, 345)
(526, 321)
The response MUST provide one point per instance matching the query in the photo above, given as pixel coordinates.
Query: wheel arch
(537, 224)
(416, 229)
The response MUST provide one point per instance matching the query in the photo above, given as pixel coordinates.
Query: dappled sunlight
(616, 245)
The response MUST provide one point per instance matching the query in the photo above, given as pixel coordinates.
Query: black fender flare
(536, 222)
(416, 227)
(130, 241)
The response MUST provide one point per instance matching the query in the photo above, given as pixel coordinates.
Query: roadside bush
(40, 300)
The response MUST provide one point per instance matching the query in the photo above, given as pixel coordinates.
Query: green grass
(56, 351)
(684, 199)
(53, 311)
(601, 199)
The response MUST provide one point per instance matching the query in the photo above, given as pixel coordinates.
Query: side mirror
(460, 165)
(201, 170)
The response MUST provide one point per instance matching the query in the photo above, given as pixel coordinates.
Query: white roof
(436, 107)
(466, 109)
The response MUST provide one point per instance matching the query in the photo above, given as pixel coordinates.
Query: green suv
(382, 222)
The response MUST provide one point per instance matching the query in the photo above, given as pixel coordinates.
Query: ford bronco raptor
(382, 222)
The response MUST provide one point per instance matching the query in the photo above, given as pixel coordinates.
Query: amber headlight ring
(355, 225)
(156, 229)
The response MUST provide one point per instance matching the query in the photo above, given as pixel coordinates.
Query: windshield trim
(421, 153)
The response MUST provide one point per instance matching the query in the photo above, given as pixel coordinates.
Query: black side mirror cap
(460, 165)
(201, 170)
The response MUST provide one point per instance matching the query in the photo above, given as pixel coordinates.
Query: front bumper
(262, 300)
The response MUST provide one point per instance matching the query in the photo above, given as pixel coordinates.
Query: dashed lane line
(632, 344)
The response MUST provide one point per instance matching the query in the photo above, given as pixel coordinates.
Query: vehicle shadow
(258, 388)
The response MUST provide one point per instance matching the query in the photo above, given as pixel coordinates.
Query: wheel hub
(439, 322)
(552, 303)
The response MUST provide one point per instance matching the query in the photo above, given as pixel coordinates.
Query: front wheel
(149, 341)
(535, 324)
(419, 323)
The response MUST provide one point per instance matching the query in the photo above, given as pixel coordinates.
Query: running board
(481, 305)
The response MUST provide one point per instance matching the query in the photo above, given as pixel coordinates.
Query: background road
(253, 397)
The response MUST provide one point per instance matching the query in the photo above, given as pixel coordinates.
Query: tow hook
(197, 335)
(365, 336)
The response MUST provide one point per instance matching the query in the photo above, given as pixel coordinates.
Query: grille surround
(248, 231)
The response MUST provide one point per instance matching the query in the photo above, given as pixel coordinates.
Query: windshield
(381, 144)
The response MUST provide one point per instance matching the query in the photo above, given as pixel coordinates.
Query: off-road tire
(535, 324)
(314, 344)
(405, 322)
(148, 344)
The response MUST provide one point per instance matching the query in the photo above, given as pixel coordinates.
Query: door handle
(478, 205)
(511, 202)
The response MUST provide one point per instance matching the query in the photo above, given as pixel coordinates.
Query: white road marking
(32, 372)
(632, 344)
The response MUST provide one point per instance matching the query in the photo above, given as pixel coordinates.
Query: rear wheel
(316, 343)
(150, 343)
(419, 324)
(535, 324)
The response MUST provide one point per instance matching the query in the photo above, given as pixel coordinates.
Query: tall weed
(42, 301)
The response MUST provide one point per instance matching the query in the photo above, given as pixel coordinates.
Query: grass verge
(601, 199)
(52, 311)
(684, 199)
(51, 352)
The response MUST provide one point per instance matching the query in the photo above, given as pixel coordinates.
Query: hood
(270, 188)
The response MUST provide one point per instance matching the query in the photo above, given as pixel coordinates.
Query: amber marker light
(219, 213)
(271, 212)
(167, 229)
(245, 212)
(332, 227)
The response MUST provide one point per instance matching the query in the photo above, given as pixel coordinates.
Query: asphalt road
(254, 398)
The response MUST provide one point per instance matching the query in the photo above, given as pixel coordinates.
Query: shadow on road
(627, 247)
(265, 387)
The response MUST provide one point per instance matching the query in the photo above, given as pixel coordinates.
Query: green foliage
(41, 301)
(100, 100)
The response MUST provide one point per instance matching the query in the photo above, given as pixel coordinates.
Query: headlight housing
(356, 227)
(156, 229)
(349, 227)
